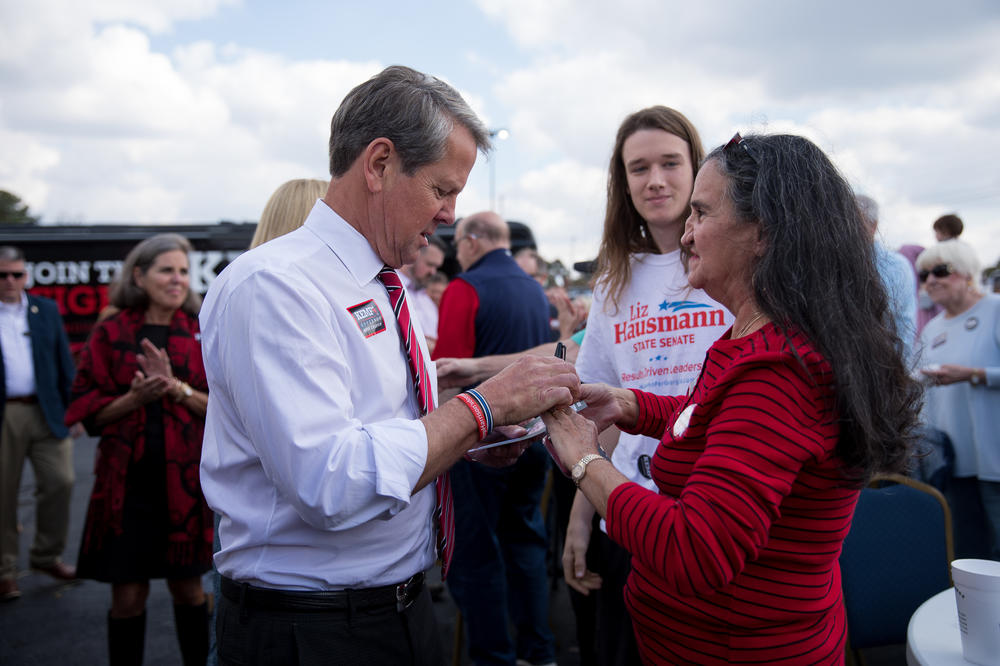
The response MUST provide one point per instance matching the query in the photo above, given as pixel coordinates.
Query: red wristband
(477, 412)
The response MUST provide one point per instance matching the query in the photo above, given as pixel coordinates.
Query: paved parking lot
(59, 623)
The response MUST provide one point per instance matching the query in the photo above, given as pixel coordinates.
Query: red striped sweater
(735, 561)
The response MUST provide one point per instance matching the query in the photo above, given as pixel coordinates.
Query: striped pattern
(484, 406)
(735, 561)
(444, 513)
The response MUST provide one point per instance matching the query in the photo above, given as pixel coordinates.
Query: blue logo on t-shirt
(674, 306)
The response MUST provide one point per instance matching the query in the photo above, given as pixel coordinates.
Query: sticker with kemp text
(369, 318)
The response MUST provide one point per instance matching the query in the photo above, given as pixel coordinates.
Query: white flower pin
(683, 419)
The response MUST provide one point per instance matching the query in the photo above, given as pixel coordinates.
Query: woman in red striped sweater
(760, 465)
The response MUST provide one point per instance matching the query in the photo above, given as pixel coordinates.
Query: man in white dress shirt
(316, 455)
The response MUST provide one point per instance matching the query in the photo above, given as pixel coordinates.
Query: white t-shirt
(655, 342)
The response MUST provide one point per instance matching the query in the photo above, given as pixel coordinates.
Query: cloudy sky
(196, 110)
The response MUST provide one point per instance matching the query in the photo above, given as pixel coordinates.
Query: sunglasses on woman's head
(739, 142)
(939, 271)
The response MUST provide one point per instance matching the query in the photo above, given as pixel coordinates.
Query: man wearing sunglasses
(36, 371)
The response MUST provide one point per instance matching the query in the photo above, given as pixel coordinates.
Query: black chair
(896, 556)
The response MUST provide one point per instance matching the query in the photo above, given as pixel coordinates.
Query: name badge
(368, 317)
(644, 463)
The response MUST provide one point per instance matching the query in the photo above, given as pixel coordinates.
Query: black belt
(26, 399)
(247, 596)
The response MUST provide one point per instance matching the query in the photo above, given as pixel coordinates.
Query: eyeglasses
(463, 237)
(939, 271)
(738, 140)
(17, 275)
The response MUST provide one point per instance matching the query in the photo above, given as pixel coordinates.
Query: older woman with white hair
(961, 363)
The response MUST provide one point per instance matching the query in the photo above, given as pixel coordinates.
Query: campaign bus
(74, 264)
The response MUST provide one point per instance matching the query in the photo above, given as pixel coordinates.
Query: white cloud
(202, 133)
(564, 205)
(99, 123)
(22, 161)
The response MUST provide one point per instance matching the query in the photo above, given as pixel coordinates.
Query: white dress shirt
(312, 446)
(15, 340)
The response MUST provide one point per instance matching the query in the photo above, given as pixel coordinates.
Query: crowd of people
(339, 415)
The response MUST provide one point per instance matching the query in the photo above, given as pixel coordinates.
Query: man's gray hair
(868, 208)
(415, 111)
(11, 253)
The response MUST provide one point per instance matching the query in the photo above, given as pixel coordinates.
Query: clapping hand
(154, 361)
(147, 389)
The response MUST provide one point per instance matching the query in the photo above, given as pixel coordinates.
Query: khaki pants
(26, 435)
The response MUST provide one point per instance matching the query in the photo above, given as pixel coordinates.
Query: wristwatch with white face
(580, 469)
(186, 391)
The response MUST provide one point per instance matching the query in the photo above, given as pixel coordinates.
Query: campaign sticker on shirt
(645, 464)
(368, 317)
(939, 340)
(971, 323)
(683, 420)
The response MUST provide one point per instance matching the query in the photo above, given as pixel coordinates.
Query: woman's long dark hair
(818, 274)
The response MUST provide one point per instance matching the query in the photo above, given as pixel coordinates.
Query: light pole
(499, 134)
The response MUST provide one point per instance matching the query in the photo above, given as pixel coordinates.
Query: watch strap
(580, 468)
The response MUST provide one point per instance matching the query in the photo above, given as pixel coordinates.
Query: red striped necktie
(444, 513)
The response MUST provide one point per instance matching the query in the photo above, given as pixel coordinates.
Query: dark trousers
(380, 636)
(969, 520)
(604, 626)
(498, 575)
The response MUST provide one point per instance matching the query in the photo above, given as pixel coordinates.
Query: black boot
(126, 639)
(192, 632)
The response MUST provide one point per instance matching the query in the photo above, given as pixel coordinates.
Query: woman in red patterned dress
(759, 467)
(140, 385)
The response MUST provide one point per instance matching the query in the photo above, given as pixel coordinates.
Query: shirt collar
(16, 308)
(353, 249)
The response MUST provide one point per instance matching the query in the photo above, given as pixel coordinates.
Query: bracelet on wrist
(485, 406)
(477, 413)
(480, 409)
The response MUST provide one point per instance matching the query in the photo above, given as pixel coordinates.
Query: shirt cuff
(399, 449)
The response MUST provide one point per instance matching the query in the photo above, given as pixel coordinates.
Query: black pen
(561, 353)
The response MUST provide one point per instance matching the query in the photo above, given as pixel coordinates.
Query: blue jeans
(498, 575)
